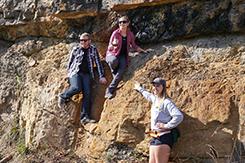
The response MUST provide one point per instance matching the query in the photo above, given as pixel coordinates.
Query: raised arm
(149, 96)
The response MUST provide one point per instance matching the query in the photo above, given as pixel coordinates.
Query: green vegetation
(16, 137)
(18, 79)
(21, 147)
(118, 151)
(14, 133)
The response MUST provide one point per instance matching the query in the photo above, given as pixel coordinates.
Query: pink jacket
(115, 43)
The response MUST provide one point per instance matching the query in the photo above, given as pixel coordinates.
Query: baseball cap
(159, 81)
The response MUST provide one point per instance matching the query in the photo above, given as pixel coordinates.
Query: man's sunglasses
(123, 22)
(83, 40)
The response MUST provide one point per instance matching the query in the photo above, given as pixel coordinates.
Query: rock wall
(165, 19)
(205, 81)
(205, 78)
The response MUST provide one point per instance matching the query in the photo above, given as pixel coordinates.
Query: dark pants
(164, 139)
(118, 67)
(80, 82)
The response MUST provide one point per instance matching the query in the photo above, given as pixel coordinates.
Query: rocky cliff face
(205, 83)
(165, 19)
(205, 78)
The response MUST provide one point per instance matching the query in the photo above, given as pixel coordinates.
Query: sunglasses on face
(84, 40)
(156, 85)
(123, 22)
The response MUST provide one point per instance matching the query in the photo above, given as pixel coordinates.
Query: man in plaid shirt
(81, 73)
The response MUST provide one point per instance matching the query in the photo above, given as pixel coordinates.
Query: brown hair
(124, 17)
(85, 34)
(164, 93)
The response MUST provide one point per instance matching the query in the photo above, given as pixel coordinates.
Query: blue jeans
(80, 82)
(117, 71)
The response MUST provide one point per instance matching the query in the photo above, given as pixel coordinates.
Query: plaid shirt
(76, 57)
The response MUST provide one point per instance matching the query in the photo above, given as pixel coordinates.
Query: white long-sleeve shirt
(162, 110)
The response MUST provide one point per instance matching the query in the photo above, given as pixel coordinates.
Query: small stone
(31, 62)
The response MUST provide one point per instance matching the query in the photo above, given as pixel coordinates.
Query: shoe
(91, 121)
(61, 102)
(83, 120)
(86, 120)
(82, 115)
(109, 95)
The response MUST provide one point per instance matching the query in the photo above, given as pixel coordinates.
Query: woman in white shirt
(164, 117)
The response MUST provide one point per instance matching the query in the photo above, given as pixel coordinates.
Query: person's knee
(112, 61)
(75, 89)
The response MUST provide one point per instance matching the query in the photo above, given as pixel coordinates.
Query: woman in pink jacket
(122, 39)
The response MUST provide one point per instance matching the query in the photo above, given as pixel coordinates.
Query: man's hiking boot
(86, 120)
(108, 94)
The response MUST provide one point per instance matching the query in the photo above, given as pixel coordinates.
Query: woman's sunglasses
(156, 85)
(123, 22)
